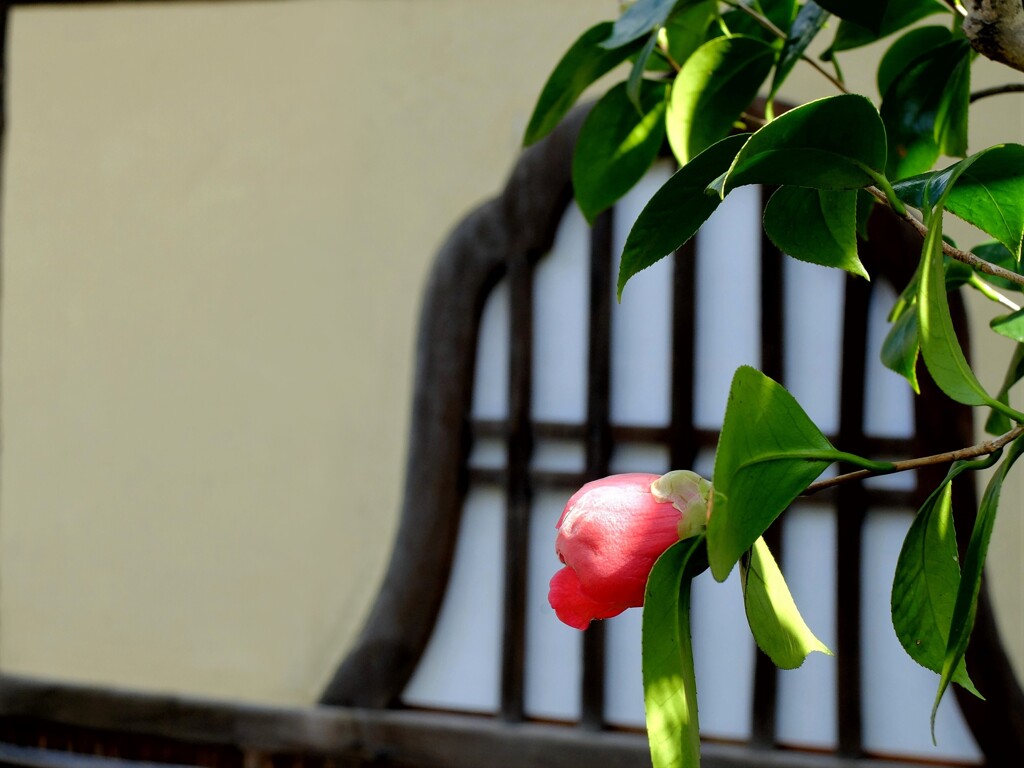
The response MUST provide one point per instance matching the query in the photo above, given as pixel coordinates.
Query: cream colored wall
(217, 220)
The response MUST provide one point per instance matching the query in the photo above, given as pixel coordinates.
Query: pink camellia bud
(610, 534)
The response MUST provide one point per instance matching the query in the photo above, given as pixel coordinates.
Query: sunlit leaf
(997, 423)
(616, 146)
(677, 210)
(1011, 326)
(775, 622)
(927, 578)
(815, 225)
(670, 688)
(714, 86)
(966, 605)
(833, 143)
(581, 65)
(687, 30)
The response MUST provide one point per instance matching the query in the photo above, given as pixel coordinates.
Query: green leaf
(765, 458)
(636, 75)
(997, 423)
(815, 225)
(927, 578)
(779, 12)
(898, 15)
(677, 210)
(714, 86)
(809, 22)
(907, 48)
(966, 606)
(581, 65)
(638, 20)
(687, 30)
(925, 109)
(616, 146)
(833, 143)
(901, 347)
(997, 253)
(1011, 326)
(670, 688)
(990, 195)
(775, 621)
(866, 13)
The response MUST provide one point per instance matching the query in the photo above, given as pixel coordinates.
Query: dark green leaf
(755, 479)
(997, 423)
(910, 46)
(687, 30)
(714, 86)
(779, 12)
(815, 225)
(1011, 326)
(833, 143)
(582, 64)
(636, 75)
(774, 619)
(925, 109)
(866, 13)
(638, 20)
(670, 688)
(927, 577)
(898, 15)
(997, 253)
(966, 605)
(677, 210)
(901, 346)
(990, 195)
(616, 146)
(808, 23)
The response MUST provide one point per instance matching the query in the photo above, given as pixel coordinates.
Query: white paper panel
(898, 694)
(461, 666)
(558, 455)
(488, 453)
(728, 300)
(723, 655)
(641, 324)
(636, 457)
(813, 328)
(888, 403)
(807, 696)
(490, 384)
(624, 682)
(561, 309)
(553, 650)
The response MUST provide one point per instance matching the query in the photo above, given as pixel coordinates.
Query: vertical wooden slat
(683, 443)
(518, 489)
(772, 320)
(850, 508)
(598, 440)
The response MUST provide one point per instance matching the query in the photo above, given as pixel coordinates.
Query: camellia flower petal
(611, 533)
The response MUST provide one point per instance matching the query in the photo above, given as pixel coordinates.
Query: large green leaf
(988, 194)
(833, 143)
(641, 18)
(815, 225)
(768, 452)
(714, 86)
(901, 346)
(927, 577)
(902, 53)
(775, 621)
(925, 109)
(1011, 326)
(810, 20)
(636, 75)
(687, 30)
(966, 606)
(898, 15)
(866, 13)
(670, 688)
(616, 146)
(677, 210)
(581, 65)
(997, 253)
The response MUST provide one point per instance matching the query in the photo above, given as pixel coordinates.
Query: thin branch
(981, 449)
(767, 24)
(996, 90)
(968, 258)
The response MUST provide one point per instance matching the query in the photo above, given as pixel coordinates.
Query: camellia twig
(996, 90)
(972, 452)
(966, 257)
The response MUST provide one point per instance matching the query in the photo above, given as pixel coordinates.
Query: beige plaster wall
(216, 222)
